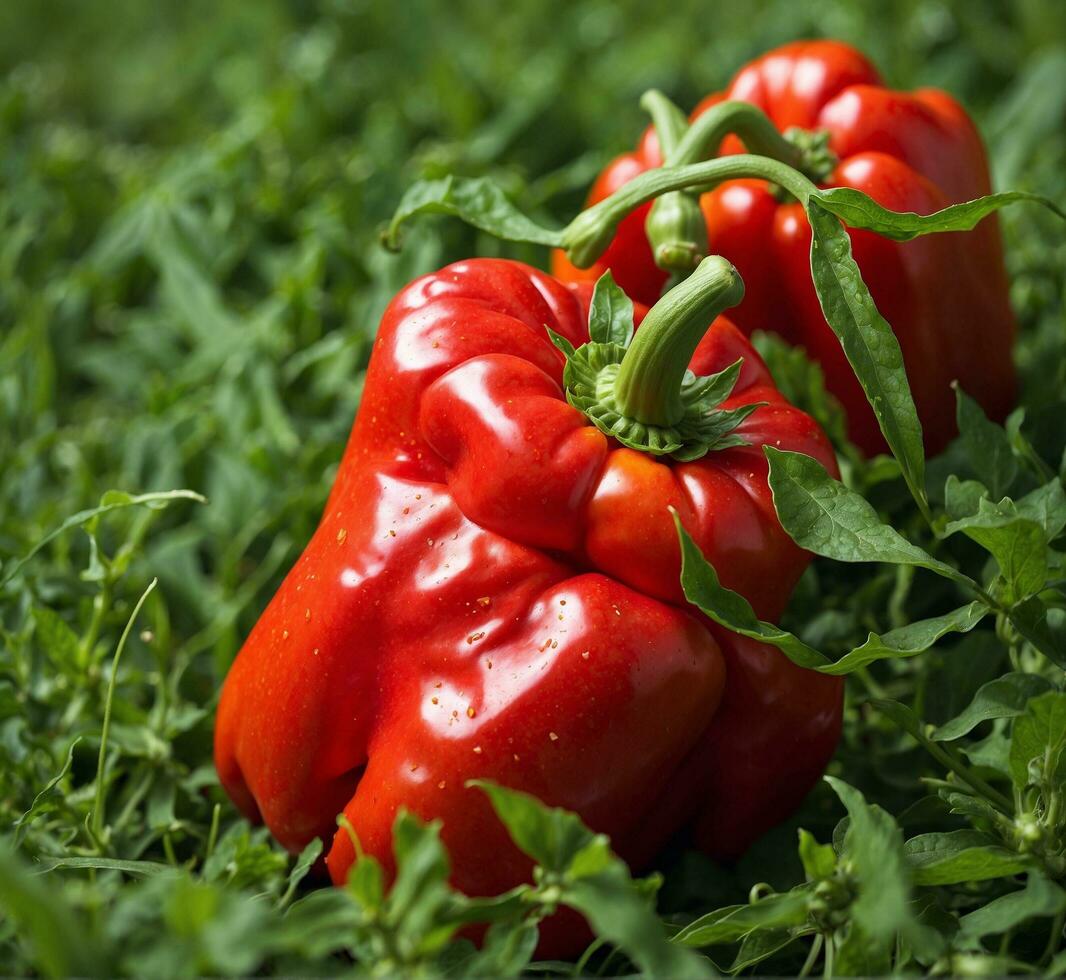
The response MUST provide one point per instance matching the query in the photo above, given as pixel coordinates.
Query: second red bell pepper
(945, 296)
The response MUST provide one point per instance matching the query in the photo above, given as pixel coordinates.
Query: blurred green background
(190, 279)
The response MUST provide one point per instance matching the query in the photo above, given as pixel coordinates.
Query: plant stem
(97, 825)
(812, 956)
(101, 601)
(951, 759)
(588, 235)
(648, 387)
(1054, 940)
(670, 123)
(741, 119)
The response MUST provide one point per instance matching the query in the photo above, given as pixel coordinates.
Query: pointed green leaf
(910, 640)
(702, 588)
(868, 341)
(874, 845)
(1004, 697)
(822, 515)
(1039, 737)
(859, 210)
(610, 313)
(479, 201)
(961, 856)
(1040, 897)
(987, 445)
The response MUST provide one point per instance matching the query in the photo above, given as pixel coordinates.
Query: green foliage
(191, 197)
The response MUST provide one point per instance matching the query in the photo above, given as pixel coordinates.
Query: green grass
(190, 279)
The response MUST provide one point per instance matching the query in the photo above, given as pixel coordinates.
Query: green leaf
(971, 806)
(759, 946)
(735, 922)
(111, 501)
(987, 445)
(58, 640)
(910, 640)
(822, 515)
(1040, 897)
(702, 588)
(506, 951)
(1047, 506)
(618, 912)
(902, 716)
(713, 389)
(858, 955)
(859, 210)
(561, 343)
(874, 845)
(962, 497)
(961, 856)
(1018, 544)
(40, 801)
(991, 752)
(420, 896)
(819, 860)
(301, 868)
(552, 836)
(1043, 627)
(137, 869)
(479, 201)
(1004, 697)
(592, 880)
(906, 719)
(869, 343)
(62, 945)
(936, 928)
(1038, 740)
(610, 313)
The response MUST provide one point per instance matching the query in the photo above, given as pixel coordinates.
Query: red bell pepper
(493, 592)
(945, 296)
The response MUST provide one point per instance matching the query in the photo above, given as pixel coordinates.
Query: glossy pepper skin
(493, 592)
(946, 296)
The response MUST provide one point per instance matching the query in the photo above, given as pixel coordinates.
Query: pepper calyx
(817, 160)
(637, 389)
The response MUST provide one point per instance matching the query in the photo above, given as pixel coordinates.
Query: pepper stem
(670, 123)
(648, 386)
(588, 235)
(675, 225)
(745, 121)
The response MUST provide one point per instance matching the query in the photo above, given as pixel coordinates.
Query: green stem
(101, 601)
(1054, 940)
(812, 956)
(648, 387)
(97, 825)
(670, 123)
(589, 234)
(741, 119)
(952, 760)
(675, 226)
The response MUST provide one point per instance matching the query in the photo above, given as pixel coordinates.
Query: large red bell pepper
(493, 592)
(945, 296)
